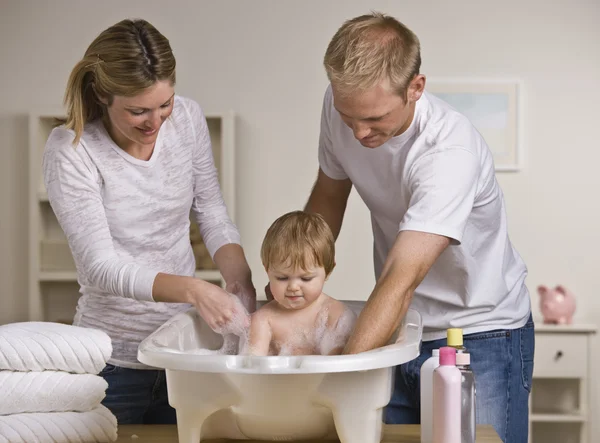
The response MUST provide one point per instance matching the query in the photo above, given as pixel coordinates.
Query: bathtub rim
(407, 349)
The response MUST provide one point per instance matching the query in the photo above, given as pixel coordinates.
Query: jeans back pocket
(527, 347)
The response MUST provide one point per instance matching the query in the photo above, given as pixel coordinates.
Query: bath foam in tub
(276, 398)
(321, 339)
(235, 333)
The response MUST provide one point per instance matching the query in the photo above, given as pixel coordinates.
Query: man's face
(378, 114)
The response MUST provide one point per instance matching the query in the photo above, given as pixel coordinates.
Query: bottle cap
(455, 337)
(435, 353)
(463, 359)
(447, 356)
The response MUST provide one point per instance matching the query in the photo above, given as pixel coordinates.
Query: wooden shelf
(47, 276)
(558, 418)
(561, 406)
(578, 327)
(209, 275)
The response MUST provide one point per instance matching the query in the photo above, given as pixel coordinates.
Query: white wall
(263, 60)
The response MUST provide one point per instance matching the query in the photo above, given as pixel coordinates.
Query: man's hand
(409, 260)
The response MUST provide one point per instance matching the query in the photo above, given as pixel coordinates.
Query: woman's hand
(223, 312)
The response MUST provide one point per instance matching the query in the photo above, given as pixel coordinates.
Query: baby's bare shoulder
(264, 313)
(336, 310)
(272, 314)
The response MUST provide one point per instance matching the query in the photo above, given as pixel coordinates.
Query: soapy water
(322, 339)
(337, 337)
(236, 334)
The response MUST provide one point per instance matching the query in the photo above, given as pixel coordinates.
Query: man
(439, 223)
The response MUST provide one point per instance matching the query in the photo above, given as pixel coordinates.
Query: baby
(298, 255)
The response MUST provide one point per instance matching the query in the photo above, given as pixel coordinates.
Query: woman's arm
(213, 304)
(219, 234)
(74, 192)
(232, 263)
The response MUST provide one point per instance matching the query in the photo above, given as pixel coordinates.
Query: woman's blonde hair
(124, 59)
(299, 239)
(369, 49)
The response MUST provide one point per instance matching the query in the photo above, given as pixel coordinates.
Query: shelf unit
(53, 286)
(560, 406)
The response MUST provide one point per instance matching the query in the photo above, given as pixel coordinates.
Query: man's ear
(416, 88)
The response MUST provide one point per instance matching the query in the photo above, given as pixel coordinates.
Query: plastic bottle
(446, 398)
(455, 339)
(426, 377)
(463, 363)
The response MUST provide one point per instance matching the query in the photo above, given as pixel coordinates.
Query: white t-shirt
(437, 177)
(127, 219)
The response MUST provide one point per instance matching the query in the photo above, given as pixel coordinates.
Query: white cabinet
(561, 394)
(53, 287)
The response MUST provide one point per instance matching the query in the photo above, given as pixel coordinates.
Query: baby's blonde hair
(299, 239)
(369, 49)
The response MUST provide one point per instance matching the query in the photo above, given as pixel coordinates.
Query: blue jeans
(137, 396)
(502, 362)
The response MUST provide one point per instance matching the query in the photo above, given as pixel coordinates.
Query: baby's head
(298, 253)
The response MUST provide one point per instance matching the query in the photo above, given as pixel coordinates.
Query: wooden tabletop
(392, 434)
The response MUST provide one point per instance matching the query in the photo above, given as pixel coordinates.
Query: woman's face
(136, 120)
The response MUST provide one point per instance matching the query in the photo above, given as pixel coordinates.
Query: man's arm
(409, 260)
(329, 198)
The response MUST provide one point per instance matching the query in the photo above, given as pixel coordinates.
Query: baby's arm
(339, 327)
(260, 333)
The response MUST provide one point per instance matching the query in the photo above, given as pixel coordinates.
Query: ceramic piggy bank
(557, 305)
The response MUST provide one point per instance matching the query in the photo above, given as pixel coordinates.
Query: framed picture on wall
(493, 106)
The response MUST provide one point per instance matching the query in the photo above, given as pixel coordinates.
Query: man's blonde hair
(369, 49)
(299, 239)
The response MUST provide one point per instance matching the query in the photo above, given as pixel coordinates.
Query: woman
(122, 175)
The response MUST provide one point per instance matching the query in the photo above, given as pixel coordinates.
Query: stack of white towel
(50, 390)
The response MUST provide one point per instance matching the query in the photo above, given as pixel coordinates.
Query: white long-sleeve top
(127, 219)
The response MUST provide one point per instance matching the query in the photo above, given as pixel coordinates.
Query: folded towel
(98, 425)
(50, 391)
(39, 346)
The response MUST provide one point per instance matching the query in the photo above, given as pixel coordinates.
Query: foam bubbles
(337, 337)
(235, 332)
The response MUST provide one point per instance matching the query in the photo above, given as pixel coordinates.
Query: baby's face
(295, 288)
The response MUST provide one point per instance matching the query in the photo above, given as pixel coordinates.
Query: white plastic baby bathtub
(279, 398)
